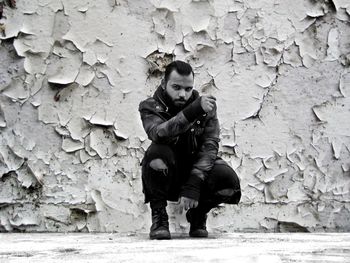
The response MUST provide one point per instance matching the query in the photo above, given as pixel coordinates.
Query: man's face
(179, 88)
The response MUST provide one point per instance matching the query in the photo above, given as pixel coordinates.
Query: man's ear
(162, 84)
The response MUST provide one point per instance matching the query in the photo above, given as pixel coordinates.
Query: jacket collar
(163, 98)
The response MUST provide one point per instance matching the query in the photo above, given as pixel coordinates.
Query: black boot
(160, 224)
(198, 223)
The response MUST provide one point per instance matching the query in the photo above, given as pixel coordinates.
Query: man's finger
(190, 204)
(211, 107)
(181, 206)
(186, 205)
(210, 101)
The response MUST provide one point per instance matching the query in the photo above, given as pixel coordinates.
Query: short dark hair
(181, 67)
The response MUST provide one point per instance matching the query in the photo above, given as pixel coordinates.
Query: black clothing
(186, 140)
(159, 187)
(190, 131)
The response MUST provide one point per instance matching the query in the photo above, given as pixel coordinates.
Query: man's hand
(187, 203)
(208, 103)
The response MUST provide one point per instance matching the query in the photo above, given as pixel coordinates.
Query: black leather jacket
(164, 124)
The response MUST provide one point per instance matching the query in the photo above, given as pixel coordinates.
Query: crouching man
(181, 164)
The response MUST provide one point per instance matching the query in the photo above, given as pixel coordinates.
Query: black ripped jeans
(160, 186)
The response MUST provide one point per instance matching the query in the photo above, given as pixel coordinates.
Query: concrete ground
(235, 247)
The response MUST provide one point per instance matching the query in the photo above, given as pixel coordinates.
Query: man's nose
(182, 93)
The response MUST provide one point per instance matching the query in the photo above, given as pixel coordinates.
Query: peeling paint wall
(72, 74)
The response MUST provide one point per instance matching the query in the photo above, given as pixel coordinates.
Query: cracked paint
(73, 73)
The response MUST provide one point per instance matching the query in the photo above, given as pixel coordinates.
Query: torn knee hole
(225, 192)
(158, 165)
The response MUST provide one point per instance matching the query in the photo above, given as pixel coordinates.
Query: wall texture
(72, 74)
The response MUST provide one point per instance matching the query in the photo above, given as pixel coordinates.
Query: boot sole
(160, 236)
(199, 234)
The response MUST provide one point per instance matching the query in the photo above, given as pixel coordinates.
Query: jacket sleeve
(164, 131)
(205, 158)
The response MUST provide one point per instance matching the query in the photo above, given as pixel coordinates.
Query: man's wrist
(193, 110)
(192, 188)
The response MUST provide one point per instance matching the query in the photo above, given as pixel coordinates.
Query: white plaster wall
(72, 74)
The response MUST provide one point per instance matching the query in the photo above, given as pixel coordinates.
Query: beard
(175, 105)
(179, 103)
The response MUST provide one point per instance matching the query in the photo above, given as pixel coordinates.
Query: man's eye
(176, 87)
(188, 89)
